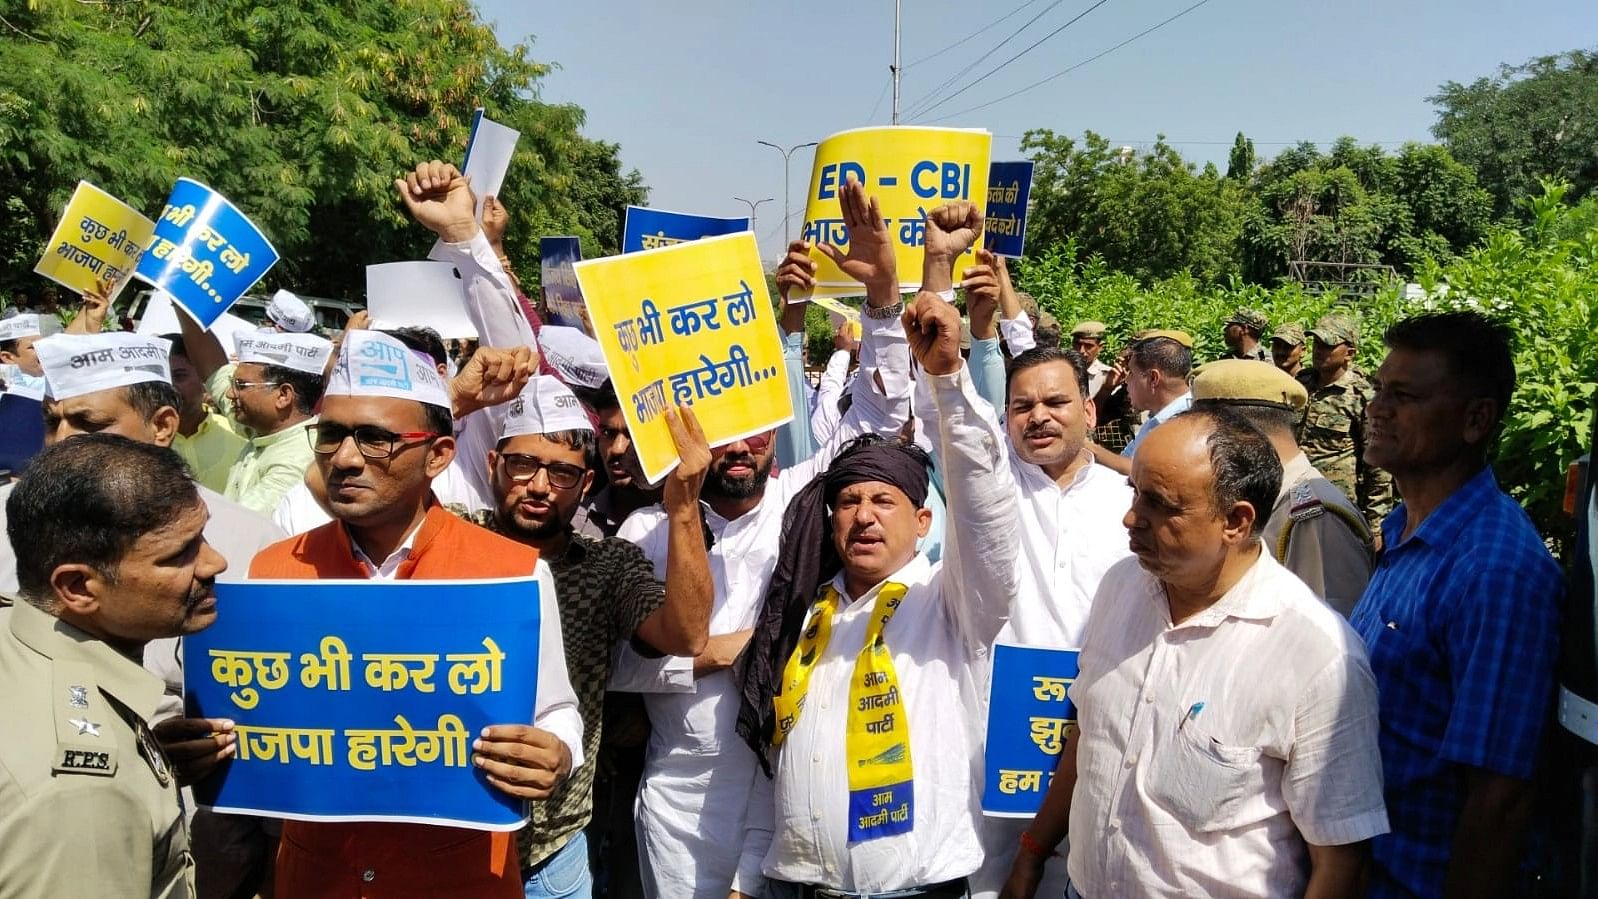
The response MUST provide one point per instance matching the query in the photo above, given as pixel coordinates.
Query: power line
(1062, 74)
(1077, 18)
(880, 94)
(981, 31)
(932, 94)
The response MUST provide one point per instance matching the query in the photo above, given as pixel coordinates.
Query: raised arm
(681, 626)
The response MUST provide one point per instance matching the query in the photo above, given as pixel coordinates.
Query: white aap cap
(78, 364)
(290, 313)
(575, 355)
(302, 352)
(544, 406)
(27, 324)
(372, 363)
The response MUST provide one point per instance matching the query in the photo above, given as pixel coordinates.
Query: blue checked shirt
(1461, 623)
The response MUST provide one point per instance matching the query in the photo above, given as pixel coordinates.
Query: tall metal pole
(787, 187)
(896, 62)
(752, 207)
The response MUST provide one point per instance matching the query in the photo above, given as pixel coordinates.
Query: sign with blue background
(650, 229)
(1004, 224)
(205, 252)
(359, 700)
(1027, 714)
(563, 299)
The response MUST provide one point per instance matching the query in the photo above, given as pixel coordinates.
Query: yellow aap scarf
(881, 787)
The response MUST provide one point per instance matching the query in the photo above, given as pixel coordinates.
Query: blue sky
(688, 88)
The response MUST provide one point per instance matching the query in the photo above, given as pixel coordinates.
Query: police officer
(1087, 338)
(1313, 529)
(108, 534)
(1242, 335)
(1333, 433)
(1287, 348)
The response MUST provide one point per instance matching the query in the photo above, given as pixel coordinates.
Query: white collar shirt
(1212, 750)
(389, 570)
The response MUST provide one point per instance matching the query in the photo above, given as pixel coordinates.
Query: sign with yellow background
(909, 171)
(99, 240)
(688, 324)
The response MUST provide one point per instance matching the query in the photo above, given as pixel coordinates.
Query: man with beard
(109, 534)
(607, 591)
(694, 800)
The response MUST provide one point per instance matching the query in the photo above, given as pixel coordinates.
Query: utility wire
(1062, 74)
(931, 95)
(979, 32)
(991, 72)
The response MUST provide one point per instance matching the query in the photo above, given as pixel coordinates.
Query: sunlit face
(1418, 418)
(1173, 526)
(739, 470)
(528, 501)
(256, 397)
(616, 451)
(1331, 357)
(363, 491)
(1047, 419)
(875, 528)
(163, 586)
(188, 383)
(1089, 347)
(1287, 356)
(104, 410)
(1140, 387)
(24, 356)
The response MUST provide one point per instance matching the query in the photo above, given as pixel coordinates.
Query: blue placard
(563, 299)
(21, 431)
(359, 700)
(1027, 714)
(1004, 229)
(204, 252)
(649, 229)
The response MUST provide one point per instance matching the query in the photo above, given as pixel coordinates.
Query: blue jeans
(564, 875)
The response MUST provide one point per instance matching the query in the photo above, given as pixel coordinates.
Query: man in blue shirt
(1159, 365)
(1460, 617)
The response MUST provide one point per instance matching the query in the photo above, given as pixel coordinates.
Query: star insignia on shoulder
(85, 726)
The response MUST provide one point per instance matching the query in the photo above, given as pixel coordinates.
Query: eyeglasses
(241, 386)
(372, 441)
(756, 443)
(522, 469)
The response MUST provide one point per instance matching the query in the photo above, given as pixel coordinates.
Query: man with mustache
(698, 776)
(109, 534)
(607, 590)
(1227, 717)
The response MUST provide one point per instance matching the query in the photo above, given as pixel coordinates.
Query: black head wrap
(807, 561)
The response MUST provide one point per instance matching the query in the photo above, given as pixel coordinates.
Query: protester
(109, 534)
(288, 312)
(831, 392)
(1157, 367)
(379, 445)
(1287, 348)
(205, 438)
(1313, 530)
(1461, 617)
(855, 619)
(1242, 335)
(1228, 732)
(542, 464)
(625, 492)
(18, 334)
(1334, 431)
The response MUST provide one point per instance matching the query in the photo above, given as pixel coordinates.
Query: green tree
(302, 114)
(1532, 121)
(1240, 163)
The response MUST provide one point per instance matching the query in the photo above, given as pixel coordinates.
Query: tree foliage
(302, 114)
(1529, 122)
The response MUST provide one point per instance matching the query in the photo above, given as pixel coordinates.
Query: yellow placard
(908, 171)
(99, 239)
(688, 324)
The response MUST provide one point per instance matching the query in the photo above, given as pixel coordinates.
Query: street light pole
(752, 207)
(787, 216)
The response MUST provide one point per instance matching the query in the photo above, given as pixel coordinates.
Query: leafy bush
(1541, 279)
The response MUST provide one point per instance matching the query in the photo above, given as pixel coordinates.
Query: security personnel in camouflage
(1314, 530)
(1242, 336)
(1333, 434)
(111, 554)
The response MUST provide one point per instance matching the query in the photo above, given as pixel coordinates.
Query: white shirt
(1097, 372)
(698, 773)
(1172, 409)
(1213, 749)
(825, 416)
(940, 637)
(299, 511)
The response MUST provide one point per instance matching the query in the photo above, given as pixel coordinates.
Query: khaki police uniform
(88, 803)
(1317, 533)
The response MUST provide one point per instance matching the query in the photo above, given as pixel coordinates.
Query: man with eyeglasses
(540, 468)
(274, 391)
(384, 434)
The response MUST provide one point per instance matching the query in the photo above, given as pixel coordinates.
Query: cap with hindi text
(1245, 382)
(372, 363)
(306, 353)
(545, 406)
(79, 364)
(27, 324)
(289, 312)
